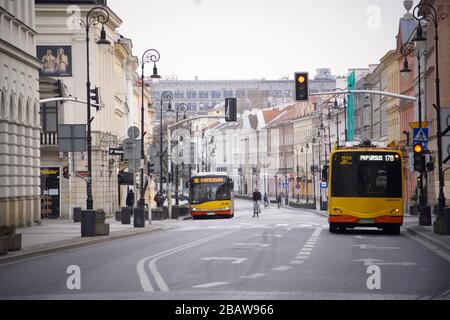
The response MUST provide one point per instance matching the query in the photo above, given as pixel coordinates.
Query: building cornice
(19, 54)
(18, 21)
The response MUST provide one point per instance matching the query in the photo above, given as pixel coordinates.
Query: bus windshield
(366, 175)
(206, 192)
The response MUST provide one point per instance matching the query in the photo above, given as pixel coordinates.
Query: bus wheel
(333, 228)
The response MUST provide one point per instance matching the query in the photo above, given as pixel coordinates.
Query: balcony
(49, 139)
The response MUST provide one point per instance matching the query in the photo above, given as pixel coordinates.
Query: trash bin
(139, 218)
(88, 223)
(76, 215)
(118, 215)
(175, 212)
(126, 215)
(184, 211)
(165, 214)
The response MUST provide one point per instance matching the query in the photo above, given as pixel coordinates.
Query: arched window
(20, 116)
(2, 104)
(11, 108)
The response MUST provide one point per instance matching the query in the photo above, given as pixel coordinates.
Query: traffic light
(95, 97)
(66, 174)
(302, 86)
(419, 158)
(231, 109)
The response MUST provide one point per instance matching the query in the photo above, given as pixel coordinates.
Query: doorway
(50, 193)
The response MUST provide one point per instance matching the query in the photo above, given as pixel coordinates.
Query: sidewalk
(411, 227)
(58, 235)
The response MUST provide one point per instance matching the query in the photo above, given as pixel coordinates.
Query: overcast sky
(254, 39)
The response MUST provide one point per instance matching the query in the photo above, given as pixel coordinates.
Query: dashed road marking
(254, 276)
(282, 269)
(210, 285)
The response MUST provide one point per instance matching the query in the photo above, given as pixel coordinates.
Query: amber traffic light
(302, 86)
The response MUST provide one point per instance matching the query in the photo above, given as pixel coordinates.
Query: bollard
(88, 223)
(126, 215)
(139, 218)
(76, 215)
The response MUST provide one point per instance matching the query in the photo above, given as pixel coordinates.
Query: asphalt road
(285, 254)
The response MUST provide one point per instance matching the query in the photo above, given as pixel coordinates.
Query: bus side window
(325, 174)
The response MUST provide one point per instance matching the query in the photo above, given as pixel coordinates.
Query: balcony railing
(49, 139)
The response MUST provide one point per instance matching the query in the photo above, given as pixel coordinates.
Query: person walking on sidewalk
(257, 197)
(279, 201)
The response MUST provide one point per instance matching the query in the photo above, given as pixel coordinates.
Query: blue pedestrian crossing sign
(421, 135)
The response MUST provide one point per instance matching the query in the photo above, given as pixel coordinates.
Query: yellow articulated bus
(366, 185)
(211, 195)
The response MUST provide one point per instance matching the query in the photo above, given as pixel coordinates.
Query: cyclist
(257, 197)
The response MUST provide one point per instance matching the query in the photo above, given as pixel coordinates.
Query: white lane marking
(140, 267)
(282, 225)
(304, 253)
(305, 226)
(282, 269)
(316, 233)
(254, 276)
(262, 245)
(370, 262)
(297, 262)
(269, 235)
(369, 246)
(235, 260)
(302, 258)
(306, 249)
(308, 246)
(210, 285)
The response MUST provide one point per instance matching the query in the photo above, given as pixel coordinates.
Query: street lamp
(407, 50)
(95, 16)
(426, 12)
(165, 96)
(150, 55)
(184, 107)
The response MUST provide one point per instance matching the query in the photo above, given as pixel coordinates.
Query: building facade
(113, 71)
(19, 115)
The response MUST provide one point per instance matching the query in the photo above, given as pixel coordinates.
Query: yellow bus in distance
(211, 195)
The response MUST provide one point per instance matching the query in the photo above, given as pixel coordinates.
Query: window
(240, 93)
(192, 94)
(203, 94)
(228, 94)
(49, 117)
(364, 179)
(179, 95)
(215, 94)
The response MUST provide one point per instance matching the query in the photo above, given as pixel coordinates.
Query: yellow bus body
(350, 212)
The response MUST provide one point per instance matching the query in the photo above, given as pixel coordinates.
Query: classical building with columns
(113, 70)
(19, 115)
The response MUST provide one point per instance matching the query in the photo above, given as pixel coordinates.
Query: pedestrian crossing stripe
(421, 135)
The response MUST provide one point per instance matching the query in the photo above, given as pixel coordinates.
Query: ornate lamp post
(407, 50)
(426, 12)
(165, 96)
(184, 107)
(150, 55)
(95, 16)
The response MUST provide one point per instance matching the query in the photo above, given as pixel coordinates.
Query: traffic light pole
(169, 153)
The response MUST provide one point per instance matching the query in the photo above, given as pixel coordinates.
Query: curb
(411, 230)
(79, 243)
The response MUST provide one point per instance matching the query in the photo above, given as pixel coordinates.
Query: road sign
(415, 125)
(324, 185)
(133, 132)
(421, 135)
(72, 138)
(116, 152)
(134, 165)
(132, 149)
